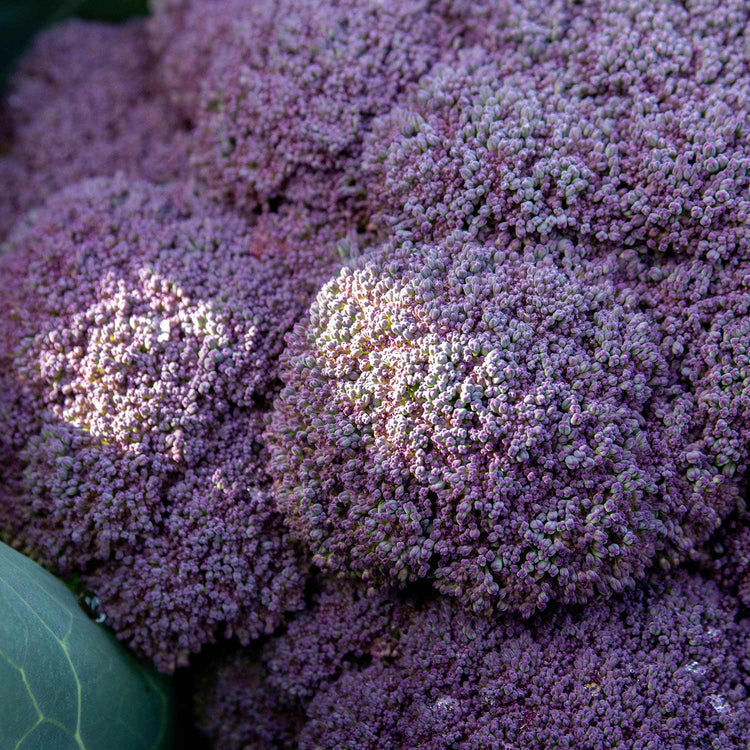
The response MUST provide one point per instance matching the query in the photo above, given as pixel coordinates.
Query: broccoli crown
(495, 418)
(406, 343)
(662, 666)
(84, 103)
(146, 333)
(283, 107)
(626, 127)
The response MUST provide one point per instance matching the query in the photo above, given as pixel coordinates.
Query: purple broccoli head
(494, 418)
(84, 103)
(527, 388)
(145, 335)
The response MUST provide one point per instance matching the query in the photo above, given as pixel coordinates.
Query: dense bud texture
(147, 333)
(347, 626)
(292, 87)
(84, 103)
(702, 313)
(185, 36)
(221, 561)
(495, 418)
(664, 666)
(625, 123)
(735, 570)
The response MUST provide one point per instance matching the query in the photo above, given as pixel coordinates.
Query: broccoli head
(143, 337)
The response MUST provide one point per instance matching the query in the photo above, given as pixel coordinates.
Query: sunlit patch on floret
(145, 331)
(493, 418)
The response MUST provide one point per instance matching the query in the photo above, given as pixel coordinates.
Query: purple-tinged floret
(651, 151)
(84, 103)
(145, 331)
(292, 89)
(493, 418)
(703, 313)
(138, 330)
(219, 562)
(345, 628)
(665, 666)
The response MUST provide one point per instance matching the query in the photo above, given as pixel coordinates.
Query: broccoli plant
(382, 367)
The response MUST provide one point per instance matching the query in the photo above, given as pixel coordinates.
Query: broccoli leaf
(66, 682)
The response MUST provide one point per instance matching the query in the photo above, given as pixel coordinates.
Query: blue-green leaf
(66, 682)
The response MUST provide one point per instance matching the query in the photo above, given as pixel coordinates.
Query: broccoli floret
(291, 88)
(496, 419)
(624, 124)
(662, 666)
(147, 334)
(85, 103)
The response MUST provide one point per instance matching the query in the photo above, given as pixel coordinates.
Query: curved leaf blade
(66, 682)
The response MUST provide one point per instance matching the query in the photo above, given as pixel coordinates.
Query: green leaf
(66, 682)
